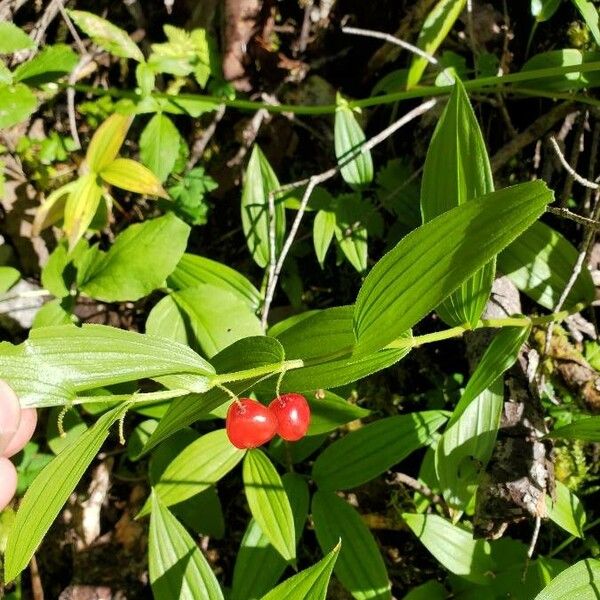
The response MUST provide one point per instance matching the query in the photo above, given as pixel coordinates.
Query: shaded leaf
(49, 65)
(159, 145)
(586, 430)
(360, 566)
(259, 180)
(566, 510)
(177, 566)
(371, 450)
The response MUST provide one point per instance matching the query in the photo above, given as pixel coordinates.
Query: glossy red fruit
(250, 424)
(293, 416)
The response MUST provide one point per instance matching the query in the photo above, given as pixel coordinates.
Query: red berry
(293, 416)
(250, 424)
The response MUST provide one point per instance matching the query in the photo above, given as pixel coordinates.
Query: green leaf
(311, 583)
(13, 38)
(589, 12)
(133, 177)
(360, 566)
(543, 10)
(348, 139)
(323, 230)
(431, 590)
(580, 581)
(430, 262)
(193, 270)
(467, 445)
(106, 35)
(138, 262)
(159, 145)
(453, 547)
(436, 27)
(540, 263)
(498, 357)
(202, 464)
(259, 181)
(8, 277)
(566, 510)
(177, 566)
(586, 430)
(167, 320)
(371, 450)
(189, 193)
(17, 102)
(327, 337)
(329, 411)
(457, 170)
(249, 353)
(350, 230)
(250, 583)
(57, 362)
(49, 65)
(49, 492)
(216, 317)
(554, 60)
(269, 503)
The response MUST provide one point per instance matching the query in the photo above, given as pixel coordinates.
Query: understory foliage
(376, 228)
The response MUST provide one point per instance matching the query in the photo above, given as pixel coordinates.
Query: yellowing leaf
(132, 176)
(107, 141)
(52, 209)
(81, 206)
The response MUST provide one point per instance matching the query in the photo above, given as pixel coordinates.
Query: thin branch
(567, 214)
(67, 20)
(576, 176)
(315, 180)
(200, 145)
(421, 488)
(380, 35)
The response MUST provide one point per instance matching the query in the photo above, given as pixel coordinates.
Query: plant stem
(571, 539)
(271, 369)
(492, 84)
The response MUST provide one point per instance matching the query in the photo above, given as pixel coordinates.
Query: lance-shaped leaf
(499, 356)
(259, 180)
(369, 451)
(433, 260)
(269, 503)
(311, 583)
(49, 65)
(250, 583)
(580, 581)
(540, 263)
(49, 492)
(589, 12)
(106, 35)
(193, 270)
(132, 176)
(360, 566)
(586, 430)
(107, 141)
(348, 139)
(82, 204)
(52, 209)
(202, 464)
(57, 362)
(177, 566)
(457, 170)
(566, 510)
(323, 230)
(436, 27)
(453, 546)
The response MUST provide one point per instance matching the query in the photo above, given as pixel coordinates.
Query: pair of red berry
(251, 424)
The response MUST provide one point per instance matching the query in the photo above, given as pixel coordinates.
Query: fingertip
(24, 433)
(8, 482)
